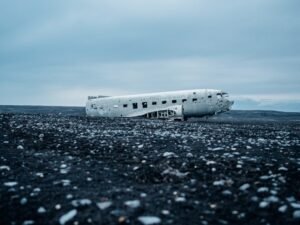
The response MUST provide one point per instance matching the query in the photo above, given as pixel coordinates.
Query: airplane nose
(227, 105)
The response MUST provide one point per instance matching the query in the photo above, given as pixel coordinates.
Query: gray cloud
(250, 48)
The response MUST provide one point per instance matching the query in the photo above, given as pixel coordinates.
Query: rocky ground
(57, 169)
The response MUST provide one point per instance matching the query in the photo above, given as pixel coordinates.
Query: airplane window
(194, 99)
(209, 96)
(125, 105)
(134, 105)
(164, 102)
(145, 105)
(184, 100)
(174, 101)
(154, 103)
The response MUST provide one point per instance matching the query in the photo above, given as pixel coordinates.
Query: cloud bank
(57, 53)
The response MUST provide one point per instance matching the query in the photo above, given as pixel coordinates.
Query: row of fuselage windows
(145, 104)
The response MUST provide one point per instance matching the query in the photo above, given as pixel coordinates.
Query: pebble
(23, 201)
(189, 155)
(10, 184)
(133, 203)
(165, 212)
(5, 168)
(67, 217)
(148, 220)
(295, 205)
(169, 154)
(283, 168)
(244, 187)
(20, 147)
(81, 202)
(226, 192)
(263, 204)
(217, 149)
(180, 199)
(296, 214)
(282, 209)
(41, 210)
(219, 183)
(143, 195)
(28, 222)
(104, 205)
(262, 189)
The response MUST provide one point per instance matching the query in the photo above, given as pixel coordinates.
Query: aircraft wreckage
(177, 105)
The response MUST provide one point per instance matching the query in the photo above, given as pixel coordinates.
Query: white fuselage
(190, 103)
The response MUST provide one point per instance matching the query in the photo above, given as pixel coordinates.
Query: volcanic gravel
(75, 170)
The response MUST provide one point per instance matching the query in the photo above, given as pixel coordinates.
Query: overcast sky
(59, 52)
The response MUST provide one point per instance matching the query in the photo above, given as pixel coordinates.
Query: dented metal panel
(162, 105)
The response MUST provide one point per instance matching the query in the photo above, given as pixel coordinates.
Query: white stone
(295, 205)
(283, 168)
(296, 214)
(219, 183)
(41, 210)
(81, 202)
(189, 155)
(5, 168)
(165, 212)
(148, 220)
(143, 195)
(28, 222)
(104, 205)
(67, 217)
(10, 184)
(210, 162)
(226, 192)
(244, 187)
(41, 175)
(262, 189)
(20, 147)
(23, 201)
(263, 204)
(133, 203)
(180, 199)
(282, 209)
(217, 149)
(272, 199)
(169, 154)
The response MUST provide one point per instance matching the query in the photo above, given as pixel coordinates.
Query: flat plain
(59, 167)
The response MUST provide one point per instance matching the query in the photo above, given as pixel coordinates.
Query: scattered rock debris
(77, 170)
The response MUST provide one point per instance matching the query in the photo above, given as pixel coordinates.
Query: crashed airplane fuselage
(162, 105)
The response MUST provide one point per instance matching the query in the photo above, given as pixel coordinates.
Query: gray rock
(133, 203)
(296, 214)
(244, 187)
(104, 205)
(67, 217)
(149, 220)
